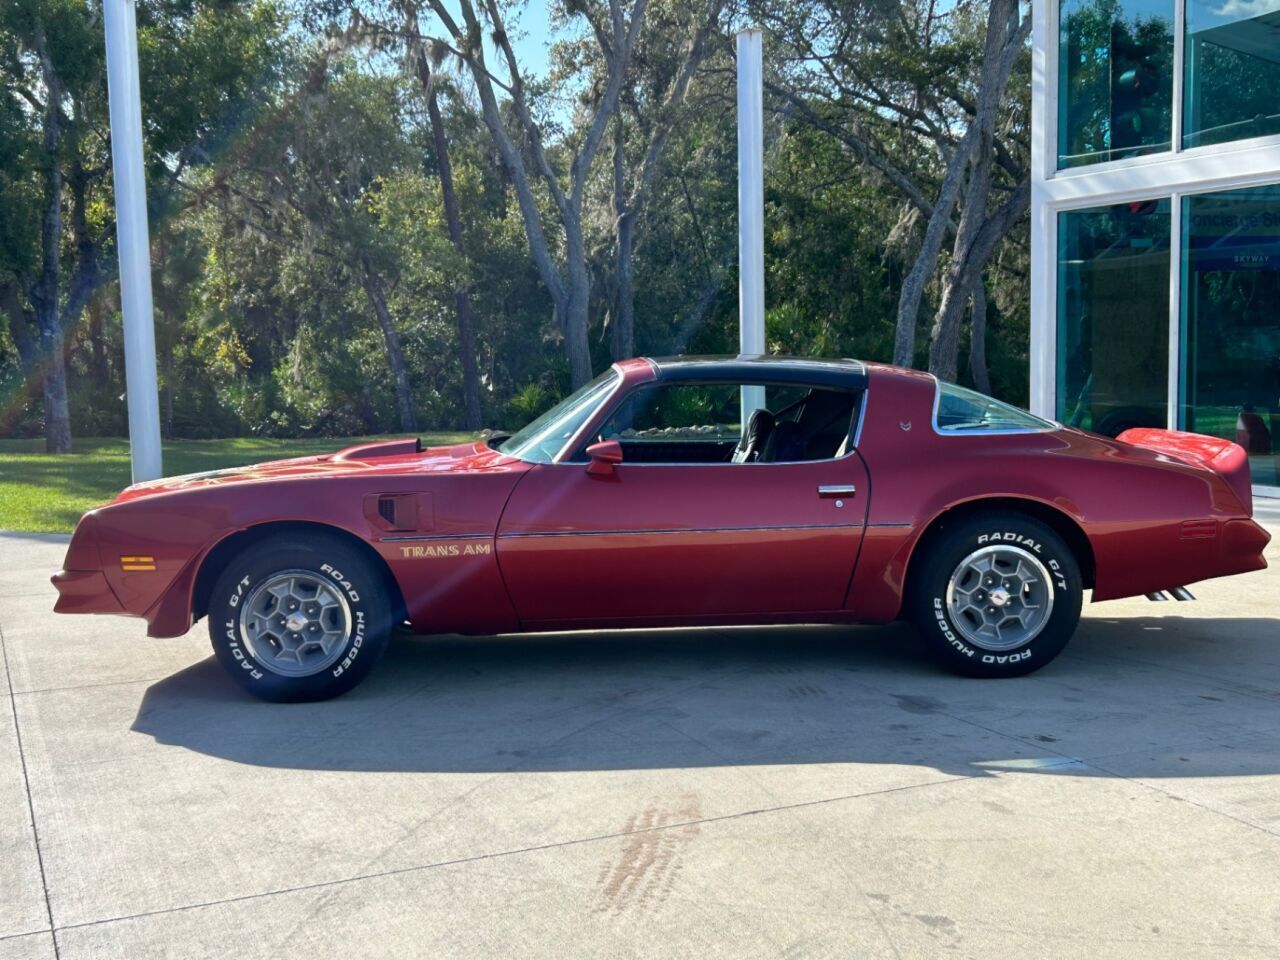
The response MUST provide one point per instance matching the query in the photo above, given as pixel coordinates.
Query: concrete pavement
(797, 792)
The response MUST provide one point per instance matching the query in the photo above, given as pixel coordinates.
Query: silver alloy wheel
(295, 623)
(1000, 597)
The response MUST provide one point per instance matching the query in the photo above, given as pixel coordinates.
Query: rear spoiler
(1228, 460)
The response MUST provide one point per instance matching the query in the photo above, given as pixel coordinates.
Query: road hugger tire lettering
(350, 603)
(995, 595)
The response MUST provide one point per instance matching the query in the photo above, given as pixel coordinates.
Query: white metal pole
(121, 29)
(1044, 161)
(751, 205)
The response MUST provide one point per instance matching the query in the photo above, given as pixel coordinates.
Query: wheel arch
(1060, 522)
(216, 559)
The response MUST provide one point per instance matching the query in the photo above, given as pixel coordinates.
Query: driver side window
(702, 423)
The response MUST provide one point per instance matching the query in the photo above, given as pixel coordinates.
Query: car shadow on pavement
(1139, 696)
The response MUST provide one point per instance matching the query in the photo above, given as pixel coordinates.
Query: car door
(682, 540)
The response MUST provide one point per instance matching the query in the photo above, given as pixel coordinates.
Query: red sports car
(744, 490)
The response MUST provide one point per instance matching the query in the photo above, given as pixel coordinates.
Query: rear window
(966, 411)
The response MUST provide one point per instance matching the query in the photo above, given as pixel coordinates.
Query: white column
(131, 237)
(1044, 281)
(1174, 419)
(751, 205)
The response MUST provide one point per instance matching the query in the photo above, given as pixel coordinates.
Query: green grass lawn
(44, 493)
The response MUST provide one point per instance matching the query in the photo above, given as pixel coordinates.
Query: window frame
(853, 434)
(1049, 426)
(593, 416)
(1047, 102)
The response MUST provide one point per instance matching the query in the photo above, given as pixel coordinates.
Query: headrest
(761, 422)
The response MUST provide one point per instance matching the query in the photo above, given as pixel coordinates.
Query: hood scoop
(381, 448)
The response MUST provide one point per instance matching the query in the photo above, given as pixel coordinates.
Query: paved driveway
(798, 792)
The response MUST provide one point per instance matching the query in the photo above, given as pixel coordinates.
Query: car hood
(390, 457)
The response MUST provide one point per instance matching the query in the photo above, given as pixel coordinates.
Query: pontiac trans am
(688, 491)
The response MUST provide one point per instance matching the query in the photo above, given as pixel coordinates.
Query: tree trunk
(576, 314)
(945, 337)
(85, 278)
(571, 293)
(168, 400)
(964, 274)
(395, 354)
(624, 321)
(978, 338)
(20, 328)
(99, 364)
(462, 298)
(623, 332)
(996, 64)
(913, 284)
(977, 233)
(24, 339)
(57, 418)
(626, 206)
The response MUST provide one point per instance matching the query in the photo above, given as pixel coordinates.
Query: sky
(535, 37)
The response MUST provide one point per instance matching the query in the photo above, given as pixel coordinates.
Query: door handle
(837, 490)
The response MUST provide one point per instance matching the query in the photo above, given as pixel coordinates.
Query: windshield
(546, 436)
(965, 410)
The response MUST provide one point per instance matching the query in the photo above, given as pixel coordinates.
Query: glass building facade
(1156, 219)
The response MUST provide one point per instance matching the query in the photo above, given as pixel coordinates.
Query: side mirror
(604, 455)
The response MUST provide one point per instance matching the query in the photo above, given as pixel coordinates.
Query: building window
(1113, 316)
(1230, 378)
(1231, 71)
(1115, 81)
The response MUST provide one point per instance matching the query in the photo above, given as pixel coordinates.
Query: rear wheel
(998, 595)
(298, 618)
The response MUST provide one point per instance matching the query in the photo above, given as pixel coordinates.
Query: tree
(53, 59)
(651, 105)
(979, 231)
(615, 34)
(317, 178)
(913, 92)
(462, 296)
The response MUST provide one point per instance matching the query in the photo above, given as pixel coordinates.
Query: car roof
(757, 368)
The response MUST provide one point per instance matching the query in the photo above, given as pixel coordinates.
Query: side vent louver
(399, 512)
(387, 510)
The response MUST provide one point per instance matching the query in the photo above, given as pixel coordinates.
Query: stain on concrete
(802, 691)
(936, 922)
(642, 874)
(916, 704)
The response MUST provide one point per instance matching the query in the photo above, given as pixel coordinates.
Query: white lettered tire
(299, 617)
(996, 595)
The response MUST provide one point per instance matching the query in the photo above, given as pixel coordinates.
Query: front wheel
(998, 595)
(299, 618)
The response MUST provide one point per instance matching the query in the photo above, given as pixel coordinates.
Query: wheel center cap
(999, 597)
(295, 622)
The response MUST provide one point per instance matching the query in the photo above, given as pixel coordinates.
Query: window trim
(618, 381)
(1050, 426)
(852, 435)
(1046, 108)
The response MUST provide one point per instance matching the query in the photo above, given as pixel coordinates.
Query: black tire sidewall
(949, 548)
(354, 576)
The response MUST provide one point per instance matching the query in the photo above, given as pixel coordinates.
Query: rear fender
(1228, 460)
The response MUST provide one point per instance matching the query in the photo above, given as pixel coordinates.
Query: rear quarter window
(958, 410)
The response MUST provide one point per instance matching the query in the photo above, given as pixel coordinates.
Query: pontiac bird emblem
(905, 425)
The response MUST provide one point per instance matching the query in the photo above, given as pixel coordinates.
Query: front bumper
(84, 591)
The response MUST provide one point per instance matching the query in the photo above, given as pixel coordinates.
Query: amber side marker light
(137, 563)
